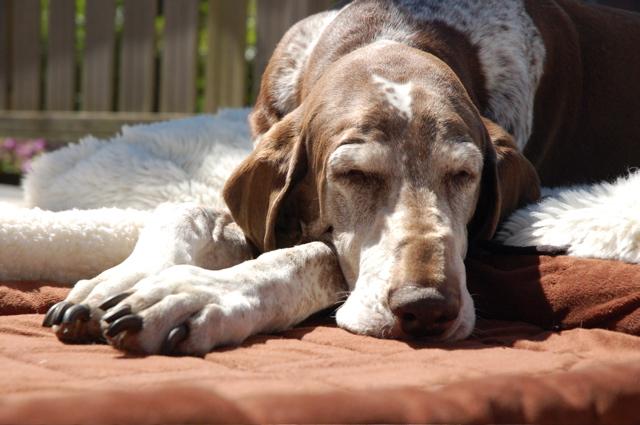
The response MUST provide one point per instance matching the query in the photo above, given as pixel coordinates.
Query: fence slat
(275, 17)
(60, 56)
(60, 127)
(4, 54)
(178, 74)
(98, 69)
(137, 70)
(226, 67)
(25, 55)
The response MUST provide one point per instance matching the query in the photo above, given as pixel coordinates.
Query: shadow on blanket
(553, 293)
(557, 292)
(508, 371)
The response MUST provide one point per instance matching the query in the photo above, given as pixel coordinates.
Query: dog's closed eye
(359, 177)
(461, 179)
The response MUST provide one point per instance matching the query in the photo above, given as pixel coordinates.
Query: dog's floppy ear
(509, 181)
(258, 188)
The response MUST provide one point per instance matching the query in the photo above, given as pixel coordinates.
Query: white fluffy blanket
(594, 221)
(89, 200)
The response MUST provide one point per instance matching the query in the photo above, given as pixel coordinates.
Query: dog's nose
(423, 311)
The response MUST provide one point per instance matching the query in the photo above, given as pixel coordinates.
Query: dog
(389, 135)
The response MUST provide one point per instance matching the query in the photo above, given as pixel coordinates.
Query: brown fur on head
(509, 182)
(388, 159)
(260, 186)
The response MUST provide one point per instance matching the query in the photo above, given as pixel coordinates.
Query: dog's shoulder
(280, 86)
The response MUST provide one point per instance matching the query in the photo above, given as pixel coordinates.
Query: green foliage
(16, 155)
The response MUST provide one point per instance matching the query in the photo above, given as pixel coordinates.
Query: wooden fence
(130, 60)
(135, 60)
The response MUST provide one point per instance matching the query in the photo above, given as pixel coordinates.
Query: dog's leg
(190, 310)
(175, 234)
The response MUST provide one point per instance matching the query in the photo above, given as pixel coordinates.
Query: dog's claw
(130, 322)
(76, 312)
(175, 337)
(48, 318)
(116, 314)
(113, 301)
(55, 314)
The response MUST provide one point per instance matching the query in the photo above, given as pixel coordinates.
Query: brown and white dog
(388, 135)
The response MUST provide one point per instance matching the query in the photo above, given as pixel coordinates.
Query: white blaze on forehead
(398, 95)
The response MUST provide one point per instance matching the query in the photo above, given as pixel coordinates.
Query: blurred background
(73, 67)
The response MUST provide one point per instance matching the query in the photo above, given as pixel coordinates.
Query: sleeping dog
(388, 136)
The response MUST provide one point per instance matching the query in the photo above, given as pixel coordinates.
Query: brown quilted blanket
(549, 370)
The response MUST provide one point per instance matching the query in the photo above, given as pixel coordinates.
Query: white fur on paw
(92, 294)
(214, 313)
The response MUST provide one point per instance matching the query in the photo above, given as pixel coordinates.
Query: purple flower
(17, 155)
(39, 145)
(9, 144)
(24, 150)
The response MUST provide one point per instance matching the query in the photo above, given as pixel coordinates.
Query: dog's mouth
(458, 330)
(362, 316)
(447, 332)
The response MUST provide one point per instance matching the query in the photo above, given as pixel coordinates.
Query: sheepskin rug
(88, 201)
(594, 221)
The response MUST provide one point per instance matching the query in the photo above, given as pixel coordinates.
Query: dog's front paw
(182, 310)
(76, 320)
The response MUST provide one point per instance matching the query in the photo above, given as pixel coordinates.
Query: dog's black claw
(114, 315)
(113, 301)
(55, 314)
(175, 337)
(77, 312)
(131, 322)
(48, 318)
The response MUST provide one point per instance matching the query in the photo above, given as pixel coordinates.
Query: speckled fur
(304, 36)
(224, 307)
(191, 265)
(510, 50)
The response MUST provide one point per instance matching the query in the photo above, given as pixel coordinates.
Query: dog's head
(388, 160)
